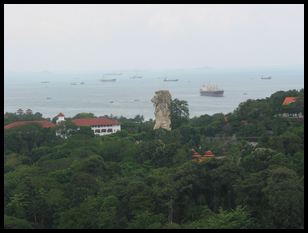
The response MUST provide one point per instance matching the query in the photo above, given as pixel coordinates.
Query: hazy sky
(99, 37)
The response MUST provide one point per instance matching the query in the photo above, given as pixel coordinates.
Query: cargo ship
(108, 80)
(135, 77)
(266, 77)
(170, 80)
(113, 73)
(211, 90)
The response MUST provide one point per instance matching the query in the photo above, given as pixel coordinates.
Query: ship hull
(212, 93)
(108, 80)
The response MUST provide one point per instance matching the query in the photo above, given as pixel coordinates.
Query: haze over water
(129, 97)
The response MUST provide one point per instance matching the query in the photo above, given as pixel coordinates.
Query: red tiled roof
(289, 100)
(209, 154)
(43, 123)
(60, 114)
(95, 121)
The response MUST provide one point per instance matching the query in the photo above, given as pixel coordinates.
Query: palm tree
(28, 111)
(20, 111)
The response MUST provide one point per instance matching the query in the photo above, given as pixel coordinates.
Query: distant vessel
(45, 82)
(81, 83)
(211, 90)
(108, 80)
(266, 77)
(170, 80)
(114, 73)
(135, 77)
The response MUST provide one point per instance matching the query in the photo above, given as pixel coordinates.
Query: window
(103, 130)
(109, 130)
(97, 131)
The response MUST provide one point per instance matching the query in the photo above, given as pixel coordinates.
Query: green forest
(140, 178)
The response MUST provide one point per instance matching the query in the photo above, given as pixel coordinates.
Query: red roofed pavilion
(289, 100)
(42, 123)
(209, 154)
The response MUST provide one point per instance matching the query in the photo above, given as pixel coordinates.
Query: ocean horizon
(50, 93)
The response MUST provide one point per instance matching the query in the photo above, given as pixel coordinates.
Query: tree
(84, 115)
(20, 111)
(147, 220)
(17, 205)
(66, 129)
(179, 113)
(139, 118)
(237, 218)
(157, 153)
(93, 213)
(85, 130)
(29, 112)
(27, 137)
(11, 222)
(285, 197)
(249, 193)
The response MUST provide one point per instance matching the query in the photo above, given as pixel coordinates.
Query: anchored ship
(113, 73)
(211, 90)
(135, 77)
(266, 77)
(170, 80)
(108, 80)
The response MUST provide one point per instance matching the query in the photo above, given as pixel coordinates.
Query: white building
(100, 126)
(60, 117)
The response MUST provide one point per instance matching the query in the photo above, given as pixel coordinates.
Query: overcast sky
(100, 37)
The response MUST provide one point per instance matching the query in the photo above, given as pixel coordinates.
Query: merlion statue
(162, 101)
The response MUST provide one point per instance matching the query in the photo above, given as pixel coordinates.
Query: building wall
(60, 119)
(105, 130)
(100, 130)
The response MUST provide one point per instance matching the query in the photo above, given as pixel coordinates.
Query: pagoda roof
(288, 100)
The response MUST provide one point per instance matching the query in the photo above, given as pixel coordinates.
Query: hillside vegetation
(141, 178)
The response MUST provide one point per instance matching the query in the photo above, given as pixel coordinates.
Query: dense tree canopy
(140, 178)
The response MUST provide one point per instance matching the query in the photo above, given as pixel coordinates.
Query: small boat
(45, 82)
(114, 73)
(266, 77)
(81, 83)
(108, 80)
(135, 77)
(111, 102)
(48, 98)
(244, 93)
(170, 80)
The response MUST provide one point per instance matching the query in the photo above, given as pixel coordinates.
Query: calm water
(129, 97)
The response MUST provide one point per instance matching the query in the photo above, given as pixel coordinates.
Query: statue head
(162, 101)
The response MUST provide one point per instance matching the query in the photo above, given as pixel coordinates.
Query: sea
(50, 93)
